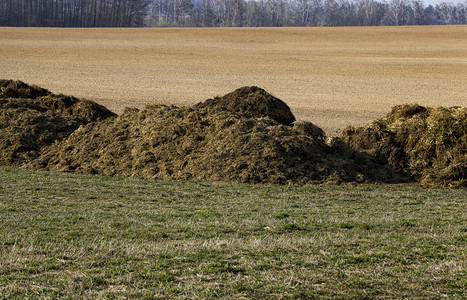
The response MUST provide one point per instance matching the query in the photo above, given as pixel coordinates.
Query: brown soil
(429, 144)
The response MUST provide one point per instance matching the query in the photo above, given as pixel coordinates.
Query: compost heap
(210, 142)
(247, 136)
(428, 144)
(32, 118)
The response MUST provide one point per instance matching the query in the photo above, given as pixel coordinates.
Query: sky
(434, 2)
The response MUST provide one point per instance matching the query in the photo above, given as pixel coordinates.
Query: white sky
(434, 2)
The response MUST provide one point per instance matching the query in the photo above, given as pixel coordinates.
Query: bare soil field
(333, 77)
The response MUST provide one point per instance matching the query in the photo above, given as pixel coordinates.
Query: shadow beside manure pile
(247, 136)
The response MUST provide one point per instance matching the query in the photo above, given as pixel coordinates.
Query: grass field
(333, 77)
(77, 236)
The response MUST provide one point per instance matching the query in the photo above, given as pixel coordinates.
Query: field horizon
(333, 77)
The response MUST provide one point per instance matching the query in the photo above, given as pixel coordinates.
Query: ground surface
(331, 76)
(77, 237)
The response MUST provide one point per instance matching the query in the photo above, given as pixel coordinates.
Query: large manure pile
(247, 136)
(428, 144)
(32, 117)
(210, 143)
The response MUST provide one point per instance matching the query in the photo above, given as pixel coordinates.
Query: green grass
(73, 236)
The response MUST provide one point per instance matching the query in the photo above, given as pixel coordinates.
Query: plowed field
(333, 77)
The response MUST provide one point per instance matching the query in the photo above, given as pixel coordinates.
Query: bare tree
(97, 13)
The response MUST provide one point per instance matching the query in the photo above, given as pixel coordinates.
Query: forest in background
(227, 13)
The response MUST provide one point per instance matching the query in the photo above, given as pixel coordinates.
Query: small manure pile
(212, 142)
(428, 144)
(32, 117)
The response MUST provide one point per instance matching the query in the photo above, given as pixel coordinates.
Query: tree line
(73, 13)
(223, 13)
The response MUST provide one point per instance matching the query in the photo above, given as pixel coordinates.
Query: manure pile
(247, 136)
(428, 144)
(32, 118)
